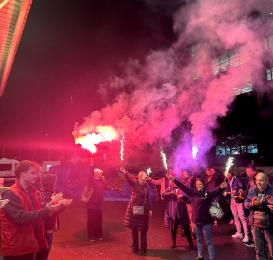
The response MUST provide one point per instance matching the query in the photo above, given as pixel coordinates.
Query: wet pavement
(71, 241)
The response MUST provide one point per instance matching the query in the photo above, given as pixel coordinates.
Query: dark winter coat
(176, 208)
(140, 197)
(201, 202)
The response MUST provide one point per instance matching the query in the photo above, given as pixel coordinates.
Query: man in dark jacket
(259, 201)
(22, 227)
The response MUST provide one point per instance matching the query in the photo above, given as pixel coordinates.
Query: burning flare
(149, 171)
(194, 151)
(229, 163)
(122, 141)
(90, 140)
(164, 159)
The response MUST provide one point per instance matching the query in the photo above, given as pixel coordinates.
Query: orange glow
(104, 134)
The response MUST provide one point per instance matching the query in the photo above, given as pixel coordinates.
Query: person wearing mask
(259, 201)
(201, 201)
(93, 197)
(138, 210)
(22, 219)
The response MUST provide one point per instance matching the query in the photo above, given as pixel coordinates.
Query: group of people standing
(251, 204)
(29, 210)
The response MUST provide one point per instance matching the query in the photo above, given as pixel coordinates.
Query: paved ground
(71, 241)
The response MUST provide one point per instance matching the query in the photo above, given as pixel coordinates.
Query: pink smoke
(173, 85)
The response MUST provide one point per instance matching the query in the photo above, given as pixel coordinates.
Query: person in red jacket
(22, 226)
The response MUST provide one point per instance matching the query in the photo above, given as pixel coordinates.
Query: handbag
(215, 210)
(138, 210)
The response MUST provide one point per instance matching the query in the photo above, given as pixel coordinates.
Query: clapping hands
(3, 202)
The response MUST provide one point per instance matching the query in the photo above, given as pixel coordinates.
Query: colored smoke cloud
(185, 82)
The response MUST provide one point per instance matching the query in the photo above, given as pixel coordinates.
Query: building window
(269, 74)
(230, 58)
(224, 150)
(268, 42)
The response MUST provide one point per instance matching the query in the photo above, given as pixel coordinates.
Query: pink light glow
(194, 151)
(90, 140)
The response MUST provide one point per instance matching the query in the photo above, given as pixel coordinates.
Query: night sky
(67, 49)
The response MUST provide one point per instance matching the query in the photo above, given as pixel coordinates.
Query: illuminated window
(269, 74)
(230, 58)
(224, 150)
(193, 51)
(252, 148)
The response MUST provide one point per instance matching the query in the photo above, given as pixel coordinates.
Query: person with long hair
(201, 201)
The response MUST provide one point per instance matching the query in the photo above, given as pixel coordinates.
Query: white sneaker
(246, 239)
(238, 235)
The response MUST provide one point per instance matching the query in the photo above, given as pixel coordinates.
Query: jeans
(263, 238)
(240, 219)
(94, 224)
(205, 231)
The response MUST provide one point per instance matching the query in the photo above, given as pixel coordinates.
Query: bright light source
(194, 151)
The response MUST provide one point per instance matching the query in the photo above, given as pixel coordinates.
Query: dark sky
(67, 49)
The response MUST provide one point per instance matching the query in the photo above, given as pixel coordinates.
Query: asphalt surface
(71, 241)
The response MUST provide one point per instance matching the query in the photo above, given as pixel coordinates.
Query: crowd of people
(29, 209)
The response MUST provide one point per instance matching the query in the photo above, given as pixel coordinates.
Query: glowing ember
(194, 151)
(122, 141)
(103, 134)
(164, 159)
(229, 163)
(149, 171)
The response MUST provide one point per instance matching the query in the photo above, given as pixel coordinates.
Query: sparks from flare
(229, 163)
(164, 159)
(122, 141)
(149, 171)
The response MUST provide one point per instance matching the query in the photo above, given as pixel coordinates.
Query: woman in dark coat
(177, 212)
(201, 201)
(138, 210)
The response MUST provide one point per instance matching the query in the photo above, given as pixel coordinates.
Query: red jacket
(25, 238)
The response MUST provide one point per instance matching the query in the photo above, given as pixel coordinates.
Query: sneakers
(231, 222)
(100, 238)
(199, 258)
(246, 239)
(249, 244)
(238, 235)
(143, 251)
